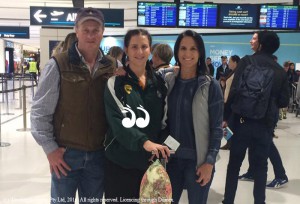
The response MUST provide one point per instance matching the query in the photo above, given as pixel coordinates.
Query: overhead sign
(14, 32)
(62, 16)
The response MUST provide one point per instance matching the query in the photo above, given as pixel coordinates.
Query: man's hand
(57, 163)
(204, 172)
(120, 71)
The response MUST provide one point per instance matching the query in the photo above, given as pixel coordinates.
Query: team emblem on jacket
(128, 88)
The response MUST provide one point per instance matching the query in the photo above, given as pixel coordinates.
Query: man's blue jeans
(86, 176)
(182, 173)
(256, 136)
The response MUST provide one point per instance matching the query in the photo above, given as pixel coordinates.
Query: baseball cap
(89, 13)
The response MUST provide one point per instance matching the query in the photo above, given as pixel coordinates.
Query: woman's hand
(204, 172)
(155, 148)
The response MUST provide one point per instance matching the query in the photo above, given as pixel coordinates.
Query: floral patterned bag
(156, 185)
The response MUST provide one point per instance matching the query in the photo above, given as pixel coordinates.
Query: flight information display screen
(197, 15)
(278, 17)
(238, 16)
(156, 14)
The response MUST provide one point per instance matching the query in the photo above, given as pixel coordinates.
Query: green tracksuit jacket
(124, 146)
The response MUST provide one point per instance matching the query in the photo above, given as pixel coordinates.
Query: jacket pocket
(72, 78)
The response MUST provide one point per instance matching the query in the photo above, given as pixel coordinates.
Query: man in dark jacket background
(223, 70)
(255, 134)
(210, 66)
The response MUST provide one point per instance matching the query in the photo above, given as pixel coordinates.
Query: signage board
(278, 17)
(197, 15)
(239, 16)
(156, 14)
(14, 32)
(65, 17)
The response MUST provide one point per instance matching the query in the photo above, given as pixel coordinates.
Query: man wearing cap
(67, 115)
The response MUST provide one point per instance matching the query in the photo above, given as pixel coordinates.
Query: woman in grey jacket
(195, 114)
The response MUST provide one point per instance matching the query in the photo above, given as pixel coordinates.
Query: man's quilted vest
(79, 119)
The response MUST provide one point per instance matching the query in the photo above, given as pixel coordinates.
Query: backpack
(253, 91)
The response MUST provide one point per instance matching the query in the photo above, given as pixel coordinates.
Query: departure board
(156, 14)
(197, 15)
(278, 17)
(238, 16)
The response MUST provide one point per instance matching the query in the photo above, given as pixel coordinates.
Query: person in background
(152, 48)
(25, 66)
(233, 62)
(286, 65)
(161, 58)
(68, 117)
(6, 66)
(281, 178)
(64, 45)
(70, 39)
(58, 48)
(255, 134)
(194, 118)
(117, 53)
(223, 70)
(292, 74)
(129, 144)
(210, 67)
(283, 111)
(33, 70)
(293, 78)
(298, 93)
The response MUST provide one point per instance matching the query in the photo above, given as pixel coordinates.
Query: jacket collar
(76, 57)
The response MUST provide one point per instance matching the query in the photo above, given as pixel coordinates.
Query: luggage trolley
(293, 103)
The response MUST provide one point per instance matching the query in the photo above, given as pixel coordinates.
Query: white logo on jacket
(140, 122)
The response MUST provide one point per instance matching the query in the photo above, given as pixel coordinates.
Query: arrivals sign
(62, 16)
(14, 32)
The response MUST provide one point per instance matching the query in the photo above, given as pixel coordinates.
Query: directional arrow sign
(61, 16)
(38, 16)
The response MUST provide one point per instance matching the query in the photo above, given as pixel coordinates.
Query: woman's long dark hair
(201, 65)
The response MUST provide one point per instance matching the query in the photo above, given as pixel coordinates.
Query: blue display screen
(278, 17)
(238, 16)
(197, 15)
(156, 14)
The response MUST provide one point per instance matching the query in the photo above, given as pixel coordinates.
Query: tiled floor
(25, 177)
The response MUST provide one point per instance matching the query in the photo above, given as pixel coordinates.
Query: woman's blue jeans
(182, 173)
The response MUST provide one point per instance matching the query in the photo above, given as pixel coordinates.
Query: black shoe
(246, 177)
(226, 147)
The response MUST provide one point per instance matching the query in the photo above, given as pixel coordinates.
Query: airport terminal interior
(25, 174)
(24, 168)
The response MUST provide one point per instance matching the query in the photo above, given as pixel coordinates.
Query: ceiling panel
(16, 13)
